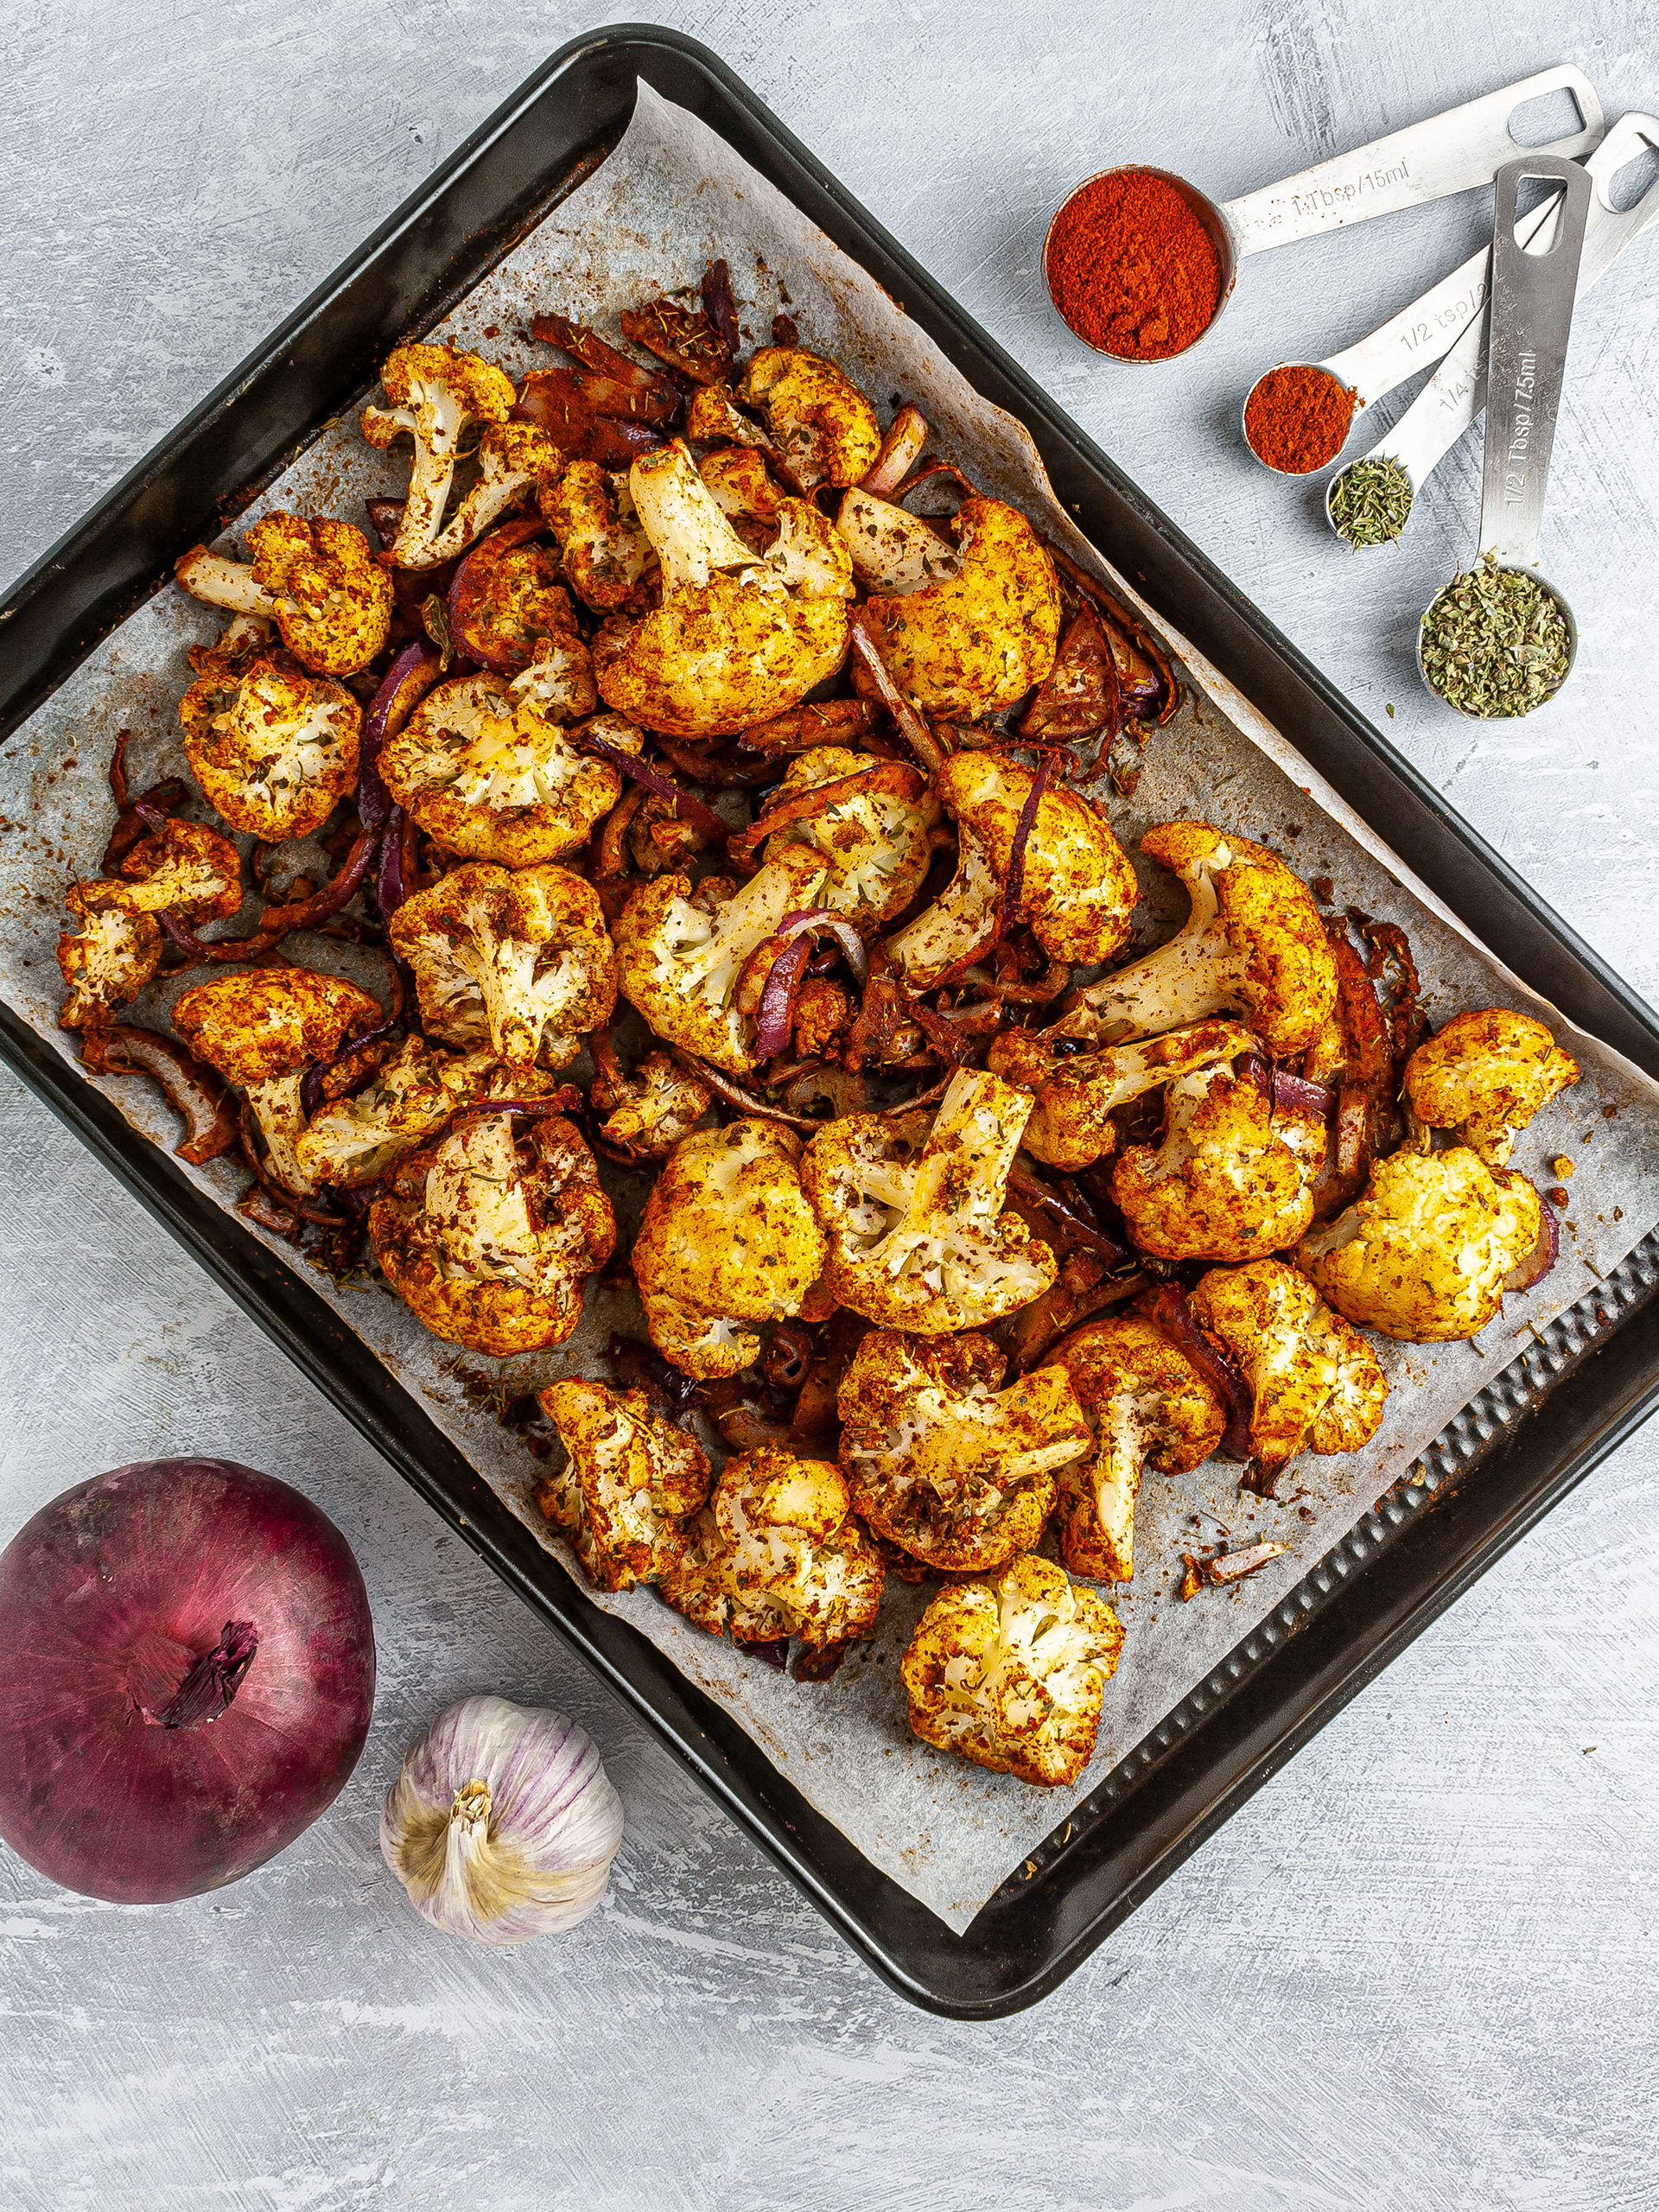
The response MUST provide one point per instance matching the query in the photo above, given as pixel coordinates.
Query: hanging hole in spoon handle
(1500, 639)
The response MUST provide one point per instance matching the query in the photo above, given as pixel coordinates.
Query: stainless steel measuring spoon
(1456, 395)
(1531, 318)
(1455, 151)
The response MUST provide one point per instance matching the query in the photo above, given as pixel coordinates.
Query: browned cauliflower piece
(1254, 945)
(182, 868)
(273, 749)
(1078, 1084)
(1147, 1405)
(630, 1483)
(873, 843)
(607, 556)
(1486, 1075)
(740, 636)
(714, 417)
(1423, 1254)
(1077, 892)
(777, 1554)
(726, 1242)
(523, 960)
(819, 420)
(436, 395)
(317, 581)
(1315, 1382)
(681, 965)
(913, 1207)
(942, 1463)
(352, 1140)
(488, 1235)
(262, 1030)
(742, 489)
(647, 1113)
(1231, 1178)
(977, 637)
(486, 770)
(106, 954)
(1011, 1674)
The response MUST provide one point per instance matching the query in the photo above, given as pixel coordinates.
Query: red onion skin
(108, 1598)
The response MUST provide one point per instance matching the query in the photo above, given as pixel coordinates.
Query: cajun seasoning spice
(1297, 417)
(1131, 268)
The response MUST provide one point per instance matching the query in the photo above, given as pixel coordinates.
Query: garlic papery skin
(502, 1824)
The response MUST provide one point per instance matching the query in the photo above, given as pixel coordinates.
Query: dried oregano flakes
(1495, 642)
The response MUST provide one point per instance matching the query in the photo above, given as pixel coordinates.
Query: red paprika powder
(1131, 268)
(1297, 417)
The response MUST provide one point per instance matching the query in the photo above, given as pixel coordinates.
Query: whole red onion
(187, 1673)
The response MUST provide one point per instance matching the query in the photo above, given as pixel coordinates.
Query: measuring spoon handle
(1531, 316)
(1456, 395)
(1453, 152)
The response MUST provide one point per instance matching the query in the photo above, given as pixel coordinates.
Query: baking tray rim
(292, 1314)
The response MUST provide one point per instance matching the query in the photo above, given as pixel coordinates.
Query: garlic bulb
(502, 1824)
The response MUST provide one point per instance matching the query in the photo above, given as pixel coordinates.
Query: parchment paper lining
(671, 196)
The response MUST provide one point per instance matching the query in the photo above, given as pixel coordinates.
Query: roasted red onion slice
(718, 303)
(736, 1094)
(1079, 1231)
(410, 676)
(896, 777)
(194, 1091)
(1292, 1090)
(689, 810)
(776, 1015)
(1546, 1251)
(1167, 1307)
(788, 950)
(311, 1089)
(902, 445)
(1013, 888)
(867, 651)
(276, 922)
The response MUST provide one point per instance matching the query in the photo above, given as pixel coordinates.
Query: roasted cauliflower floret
(1314, 1381)
(317, 581)
(682, 966)
(514, 459)
(777, 1555)
(1147, 1405)
(872, 837)
(742, 487)
(1010, 1674)
(1254, 944)
(484, 769)
(942, 1462)
(629, 1485)
(273, 749)
(1078, 1084)
(726, 1242)
(180, 869)
(523, 960)
(1231, 1178)
(1486, 1075)
(106, 954)
(1423, 1254)
(262, 1030)
(436, 395)
(976, 638)
(739, 637)
(1078, 891)
(819, 420)
(648, 1112)
(911, 1205)
(488, 1235)
(352, 1140)
(606, 554)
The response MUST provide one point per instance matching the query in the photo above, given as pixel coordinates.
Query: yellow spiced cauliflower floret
(317, 581)
(1253, 945)
(1079, 1082)
(1314, 1382)
(1231, 1177)
(1486, 1075)
(1423, 1254)
(942, 1461)
(820, 422)
(630, 1483)
(1010, 1674)
(273, 748)
(726, 1242)
(777, 1554)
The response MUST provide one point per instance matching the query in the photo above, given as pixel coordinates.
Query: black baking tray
(1527, 1441)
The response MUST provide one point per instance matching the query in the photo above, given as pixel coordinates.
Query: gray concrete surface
(1418, 1971)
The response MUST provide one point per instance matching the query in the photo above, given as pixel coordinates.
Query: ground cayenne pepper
(1131, 268)
(1297, 417)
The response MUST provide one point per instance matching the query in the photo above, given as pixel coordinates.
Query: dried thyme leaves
(1370, 500)
(1495, 643)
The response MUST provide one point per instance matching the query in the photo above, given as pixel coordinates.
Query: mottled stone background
(1418, 1971)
